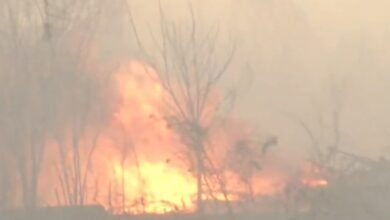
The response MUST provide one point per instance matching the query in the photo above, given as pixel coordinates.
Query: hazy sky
(348, 46)
(297, 50)
(347, 14)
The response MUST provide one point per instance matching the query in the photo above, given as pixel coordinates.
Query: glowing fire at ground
(314, 176)
(135, 169)
(315, 182)
(153, 184)
(161, 188)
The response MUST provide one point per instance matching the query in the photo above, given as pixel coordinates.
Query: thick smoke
(83, 99)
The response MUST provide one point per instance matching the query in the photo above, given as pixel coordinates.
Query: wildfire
(150, 183)
(314, 176)
(153, 184)
(315, 182)
(135, 170)
(159, 188)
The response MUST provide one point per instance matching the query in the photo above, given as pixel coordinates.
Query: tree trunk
(199, 176)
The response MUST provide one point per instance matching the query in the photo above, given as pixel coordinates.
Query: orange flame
(314, 176)
(161, 188)
(134, 170)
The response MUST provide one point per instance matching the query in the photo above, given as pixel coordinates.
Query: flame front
(135, 168)
(149, 182)
(158, 188)
(314, 176)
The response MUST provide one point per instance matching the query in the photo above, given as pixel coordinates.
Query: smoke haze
(101, 93)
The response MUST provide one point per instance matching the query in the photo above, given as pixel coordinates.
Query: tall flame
(160, 189)
(135, 168)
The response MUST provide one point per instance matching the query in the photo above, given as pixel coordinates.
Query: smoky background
(312, 74)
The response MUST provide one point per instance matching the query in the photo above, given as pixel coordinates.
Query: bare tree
(325, 148)
(24, 124)
(190, 67)
(245, 159)
(324, 130)
(42, 78)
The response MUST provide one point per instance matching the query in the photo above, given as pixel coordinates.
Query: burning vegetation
(136, 162)
(141, 139)
(152, 134)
